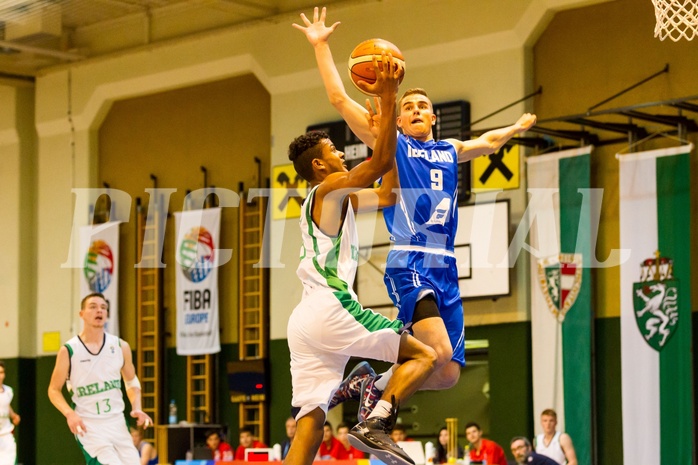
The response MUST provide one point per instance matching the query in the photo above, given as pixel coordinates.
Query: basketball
(361, 60)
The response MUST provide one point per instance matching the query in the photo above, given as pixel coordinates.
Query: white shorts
(8, 449)
(108, 441)
(323, 333)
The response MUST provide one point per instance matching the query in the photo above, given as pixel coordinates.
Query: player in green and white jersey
(93, 364)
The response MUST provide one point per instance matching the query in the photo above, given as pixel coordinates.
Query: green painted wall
(609, 423)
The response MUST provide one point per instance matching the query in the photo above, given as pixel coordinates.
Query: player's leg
(429, 327)
(123, 443)
(415, 363)
(307, 439)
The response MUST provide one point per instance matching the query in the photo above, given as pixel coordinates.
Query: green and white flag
(559, 214)
(656, 371)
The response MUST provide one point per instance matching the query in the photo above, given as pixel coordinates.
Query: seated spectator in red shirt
(247, 441)
(399, 434)
(347, 451)
(482, 449)
(330, 447)
(220, 450)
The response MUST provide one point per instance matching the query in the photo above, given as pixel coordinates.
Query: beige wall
(459, 50)
(18, 213)
(222, 126)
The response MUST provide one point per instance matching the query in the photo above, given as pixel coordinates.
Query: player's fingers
(323, 14)
(315, 14)
(334, 26)
(369, 107)
(146, 423)
(305, 20)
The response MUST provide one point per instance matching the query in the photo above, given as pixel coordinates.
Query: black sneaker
(350, 388)
(373, 437)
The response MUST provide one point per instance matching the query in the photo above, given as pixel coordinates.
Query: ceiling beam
(65, 56)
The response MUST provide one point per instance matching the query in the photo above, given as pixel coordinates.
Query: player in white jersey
(94, 363)
(329, 325)
(552, 443)
(423, 293)
(8, 420)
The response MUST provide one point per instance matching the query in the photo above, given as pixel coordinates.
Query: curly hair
(303, 150)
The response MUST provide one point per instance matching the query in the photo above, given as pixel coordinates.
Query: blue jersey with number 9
(427, 212)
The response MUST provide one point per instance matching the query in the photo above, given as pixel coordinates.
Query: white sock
(382, 381)
(382, 409)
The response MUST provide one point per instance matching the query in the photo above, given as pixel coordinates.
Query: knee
(450, 375)
(444, 354)
(429, 358)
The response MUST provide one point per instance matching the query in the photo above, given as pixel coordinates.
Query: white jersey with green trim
(6, 395)
(327, 262)
(95, 379)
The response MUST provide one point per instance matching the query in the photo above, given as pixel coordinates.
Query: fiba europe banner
(196, 262)
(655, 306)
(561, 313)
(99, 252)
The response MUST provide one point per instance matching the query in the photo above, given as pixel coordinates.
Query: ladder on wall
(200, 371)
(252, 305)
(199, 388)
(148, 313)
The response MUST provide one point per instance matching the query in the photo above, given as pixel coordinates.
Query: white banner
(196, 260)
(99, 252)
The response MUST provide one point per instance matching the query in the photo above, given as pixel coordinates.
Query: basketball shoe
(373, 437)
(370, 395)
(350, 388)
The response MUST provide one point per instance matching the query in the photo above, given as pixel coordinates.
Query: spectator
(524, 455)
(247, 441)
(482, 449)
(399, 433)
(442, 452)
(552, 443)
(220, 450)
(148, 454)
(347, 451)
(330, 448)
(290, 434)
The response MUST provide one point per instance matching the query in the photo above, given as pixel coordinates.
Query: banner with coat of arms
(655, 306)
(561, 313)
(196, 262)
(99, 252)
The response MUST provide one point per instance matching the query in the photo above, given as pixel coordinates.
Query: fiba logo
(196, 254)
(98, 267)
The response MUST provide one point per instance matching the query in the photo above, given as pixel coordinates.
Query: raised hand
(316, 32)
(525, 122)
(388, 77)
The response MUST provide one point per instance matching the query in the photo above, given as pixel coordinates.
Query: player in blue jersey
(421, 274)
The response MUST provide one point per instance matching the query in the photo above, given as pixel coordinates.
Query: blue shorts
(408, 273)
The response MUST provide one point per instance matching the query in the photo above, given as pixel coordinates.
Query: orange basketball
(361, 60)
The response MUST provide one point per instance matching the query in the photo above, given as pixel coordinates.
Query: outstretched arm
(491, 141)
(352, 112)
(387, 194)
(331, 196)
